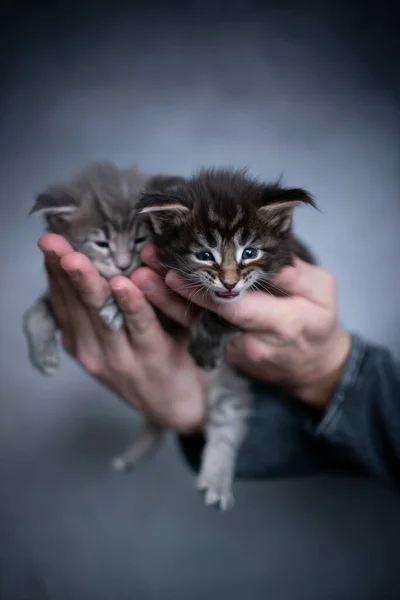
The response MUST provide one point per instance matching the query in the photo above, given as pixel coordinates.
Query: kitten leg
(40, 330)
(205, 351)
(111, 314)
(229, 409)
(208, 337)
(148, 440)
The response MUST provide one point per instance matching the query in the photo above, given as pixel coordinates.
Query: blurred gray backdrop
(311, 91)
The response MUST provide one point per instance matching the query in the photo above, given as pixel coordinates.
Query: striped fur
(227, 233)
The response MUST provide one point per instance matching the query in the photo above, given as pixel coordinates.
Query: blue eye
(249, 253)
(205, 255)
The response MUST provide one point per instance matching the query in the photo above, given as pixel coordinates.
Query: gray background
(311, 92)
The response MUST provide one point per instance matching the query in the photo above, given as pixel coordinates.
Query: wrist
(320, 390)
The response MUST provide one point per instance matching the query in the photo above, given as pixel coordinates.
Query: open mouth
(227, 294)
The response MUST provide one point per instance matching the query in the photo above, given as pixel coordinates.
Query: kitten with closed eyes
(227, 234)
(96, 212)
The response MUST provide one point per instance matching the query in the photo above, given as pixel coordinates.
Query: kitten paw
(112, 316)
(121, 465)
(216, 492)
(45, 357)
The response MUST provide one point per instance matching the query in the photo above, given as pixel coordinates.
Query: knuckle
(139, 320)
(240, 316)
(89, 362)
(118, 367)
(190, 419)
(139, 325)
(292, 328)
(255, 351)
(331, 287)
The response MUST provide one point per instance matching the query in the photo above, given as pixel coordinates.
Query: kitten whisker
(265, 289)
(186, 287)
(266, 283)
(184, 273)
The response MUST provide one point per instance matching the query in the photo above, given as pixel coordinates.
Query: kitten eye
(249, 253)
(102, 244)
(140, 240)
(205, 255)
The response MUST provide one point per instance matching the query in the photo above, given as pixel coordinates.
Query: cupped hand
(141, 362)
(294, 341)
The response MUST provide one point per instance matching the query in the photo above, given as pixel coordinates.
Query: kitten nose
(228, 284)
(123, 262)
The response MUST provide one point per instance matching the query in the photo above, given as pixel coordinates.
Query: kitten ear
(165, 183)
(161, 210)
(55, 201)
(280, 203)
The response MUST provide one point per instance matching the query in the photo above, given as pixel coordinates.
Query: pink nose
(229, 286)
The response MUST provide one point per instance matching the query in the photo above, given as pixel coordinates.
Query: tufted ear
(165, 183)
(280, 203)
(55, 201)
(161, 210)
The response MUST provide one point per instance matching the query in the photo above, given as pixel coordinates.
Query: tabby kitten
(227, 233)
(96, 213)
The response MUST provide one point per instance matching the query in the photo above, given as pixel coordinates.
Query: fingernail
(148, 253)
(73, 274)
(120, 293)
(147, 285)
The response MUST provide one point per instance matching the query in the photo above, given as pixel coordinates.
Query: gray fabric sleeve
(358, 432)
(362, 421)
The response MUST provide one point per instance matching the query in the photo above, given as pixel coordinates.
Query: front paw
(45, 356)
(204, 355)
(216, 489)
(111, 315)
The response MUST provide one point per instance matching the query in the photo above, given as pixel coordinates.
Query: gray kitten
(96, 213)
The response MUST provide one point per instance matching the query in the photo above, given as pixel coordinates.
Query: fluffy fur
(225, 233)
(222, 231)
(96, 212)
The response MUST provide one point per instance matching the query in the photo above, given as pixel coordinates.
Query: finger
(84, 335)
(257, 311)
(150, 258)
(252, 359)
(144, 330)
(56, 296)
(159, 294)
(308, 281)
(91, 288)
(253, 348)
(52, 245)
(93, 336)
(235, 353)
(72, 318)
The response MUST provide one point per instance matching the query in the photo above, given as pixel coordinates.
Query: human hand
(141, 362)
(293, 341)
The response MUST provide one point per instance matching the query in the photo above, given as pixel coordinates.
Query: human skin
(293, 341)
